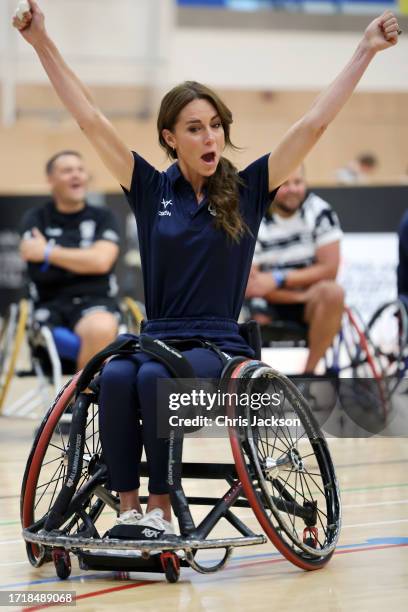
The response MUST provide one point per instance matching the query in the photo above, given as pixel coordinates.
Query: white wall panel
(120, 42)
(280, 60)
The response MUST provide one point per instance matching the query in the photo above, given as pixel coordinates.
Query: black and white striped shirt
(288, 243)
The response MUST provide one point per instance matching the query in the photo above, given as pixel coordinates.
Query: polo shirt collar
(174, 173)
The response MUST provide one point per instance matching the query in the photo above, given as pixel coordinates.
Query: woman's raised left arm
(381, 34)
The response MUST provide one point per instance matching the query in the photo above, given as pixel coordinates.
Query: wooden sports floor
(369, 570)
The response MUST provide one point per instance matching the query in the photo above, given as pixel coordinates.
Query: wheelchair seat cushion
(67, 342)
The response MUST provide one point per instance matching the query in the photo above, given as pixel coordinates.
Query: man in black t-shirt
(71, 248)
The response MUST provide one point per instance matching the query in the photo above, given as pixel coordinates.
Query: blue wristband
(279, 277)
(50, 245)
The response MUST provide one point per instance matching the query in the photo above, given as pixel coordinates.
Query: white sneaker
(129, 517)
(154, 520)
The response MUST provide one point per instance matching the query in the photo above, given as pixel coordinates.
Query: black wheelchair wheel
(388, 330)
(286, 471)
(46, 471)
(364, 387)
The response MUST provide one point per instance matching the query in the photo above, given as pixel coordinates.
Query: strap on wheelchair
(174, 361)
(167, 353)
(121, 346)
(251, 333)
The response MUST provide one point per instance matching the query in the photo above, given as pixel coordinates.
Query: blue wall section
(338, 5)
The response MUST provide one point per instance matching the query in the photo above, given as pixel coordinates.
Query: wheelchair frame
(249, 480)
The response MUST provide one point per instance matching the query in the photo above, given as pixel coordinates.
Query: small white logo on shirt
(87, 229)
(53, 231)
(110, 235)
(165, 204)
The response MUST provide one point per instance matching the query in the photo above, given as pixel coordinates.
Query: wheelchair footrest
(187, 544)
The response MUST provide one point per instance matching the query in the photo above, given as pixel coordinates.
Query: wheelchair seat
(284, 333)
(51, 345)
(54, 351)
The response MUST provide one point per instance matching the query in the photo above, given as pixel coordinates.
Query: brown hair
(223, 185)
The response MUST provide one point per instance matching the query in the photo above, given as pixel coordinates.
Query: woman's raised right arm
(76, 98)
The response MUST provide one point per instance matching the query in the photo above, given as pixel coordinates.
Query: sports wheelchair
(28, 349)
(286, 475)
(353, 357)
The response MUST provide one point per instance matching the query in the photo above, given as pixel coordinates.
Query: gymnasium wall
(127, 42)
(268, 65)
(375, 122)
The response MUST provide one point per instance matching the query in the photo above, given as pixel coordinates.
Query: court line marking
(375, 524)
(338, 466)
(373, 504)
(123, 587)
(204, 577)
(369, 544)
(370, 463)
(373, 488)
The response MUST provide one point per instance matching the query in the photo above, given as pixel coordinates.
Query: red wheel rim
(27, 517)
(251, 496)
(370, 361)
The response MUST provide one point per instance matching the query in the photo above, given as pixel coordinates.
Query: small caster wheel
(122, 575)
(62, 562)
(311, 537)
(171, 566)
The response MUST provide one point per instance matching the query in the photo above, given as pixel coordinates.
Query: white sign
(368, 270)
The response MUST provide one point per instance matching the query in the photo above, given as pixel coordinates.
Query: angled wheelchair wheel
(285, 469)
(132, 315)
(364, 387)
(11, 339)
(388, 330)
(46, 471)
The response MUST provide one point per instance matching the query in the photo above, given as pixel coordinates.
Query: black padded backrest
(251, 334)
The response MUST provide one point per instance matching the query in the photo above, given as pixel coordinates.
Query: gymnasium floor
(369, 570)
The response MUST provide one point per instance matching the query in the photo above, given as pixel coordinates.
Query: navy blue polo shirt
(190, 268)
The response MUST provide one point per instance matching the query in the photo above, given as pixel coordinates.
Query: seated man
(295, 266)
(71, 249)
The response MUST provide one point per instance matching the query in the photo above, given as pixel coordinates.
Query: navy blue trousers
(128, 389)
